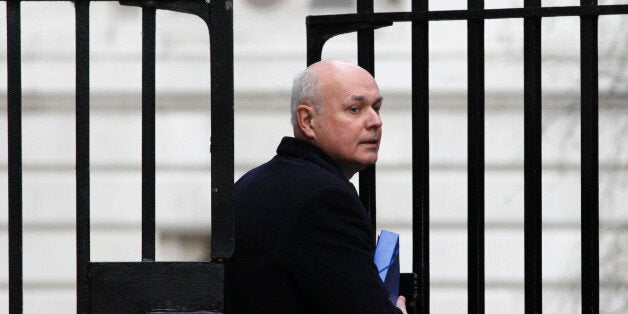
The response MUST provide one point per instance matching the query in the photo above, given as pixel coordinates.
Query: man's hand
(401, 304)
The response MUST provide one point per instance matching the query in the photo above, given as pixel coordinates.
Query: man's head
(335, 106)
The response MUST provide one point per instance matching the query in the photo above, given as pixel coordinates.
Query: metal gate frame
(95, 280)
(147, 285)
(323, 27)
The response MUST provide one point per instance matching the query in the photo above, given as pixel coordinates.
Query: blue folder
(387, 262)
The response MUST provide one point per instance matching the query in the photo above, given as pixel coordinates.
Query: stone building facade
(269, 50)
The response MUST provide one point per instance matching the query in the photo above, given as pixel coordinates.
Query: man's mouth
(371, 142)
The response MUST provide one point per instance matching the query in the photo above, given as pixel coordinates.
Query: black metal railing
(198, 285)
(321, 28)
(147, 285)
(14, 123)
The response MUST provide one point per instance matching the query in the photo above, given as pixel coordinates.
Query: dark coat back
(303, 240)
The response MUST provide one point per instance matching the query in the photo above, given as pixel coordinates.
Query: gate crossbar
(482, 14)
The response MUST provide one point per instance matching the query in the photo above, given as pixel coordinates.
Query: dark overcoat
(303, 240)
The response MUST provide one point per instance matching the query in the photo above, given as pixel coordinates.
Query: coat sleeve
(332, 256)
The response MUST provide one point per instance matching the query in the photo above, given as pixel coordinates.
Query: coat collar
(302, 149)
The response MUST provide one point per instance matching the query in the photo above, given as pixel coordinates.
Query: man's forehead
(358, 97)
(332, 65)
(337, 70)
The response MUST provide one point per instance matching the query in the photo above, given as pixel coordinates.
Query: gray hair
(305, 89)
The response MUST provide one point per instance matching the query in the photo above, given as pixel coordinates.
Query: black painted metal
(156, 286)
(97, 281)
(532, 161)
(82, 155)
(590, 266)
(221, 43)
(148, 134)
(14, 125)
(319, 33)
(486, 14)
(145, 286)
(421, 156)
(409, 288)
(218, 16)
(195, 7)
(320, 28)
(366, 59)
(475, 160)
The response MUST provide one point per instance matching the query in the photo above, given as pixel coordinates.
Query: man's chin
(356, 165)
(370, 159)
(366, 163)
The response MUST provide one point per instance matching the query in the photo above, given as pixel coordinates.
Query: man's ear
(305, 119)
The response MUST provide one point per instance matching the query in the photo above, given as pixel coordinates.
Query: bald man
(303, 239)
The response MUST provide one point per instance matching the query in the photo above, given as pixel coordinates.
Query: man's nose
(373, 120)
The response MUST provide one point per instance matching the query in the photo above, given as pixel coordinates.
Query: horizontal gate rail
(485, 14)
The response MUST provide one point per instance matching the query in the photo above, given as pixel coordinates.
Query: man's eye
(354, 109)
(376, 108)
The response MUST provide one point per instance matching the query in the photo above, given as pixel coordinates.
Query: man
(303, 239)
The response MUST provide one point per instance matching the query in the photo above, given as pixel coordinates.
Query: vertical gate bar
(590, 251)
(14, 125)
(532, 161)
(148, 134)
(312, 41)
(82, 155)
(420, 156)
(475, 173)
(366, 59)
(221, 43)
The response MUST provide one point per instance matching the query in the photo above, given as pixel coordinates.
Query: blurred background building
(269, 49)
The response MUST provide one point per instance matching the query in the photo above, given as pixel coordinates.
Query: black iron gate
(197, 286)
(146, 286)
(321, 28)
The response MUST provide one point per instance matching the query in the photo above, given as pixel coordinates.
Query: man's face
(349, 127)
